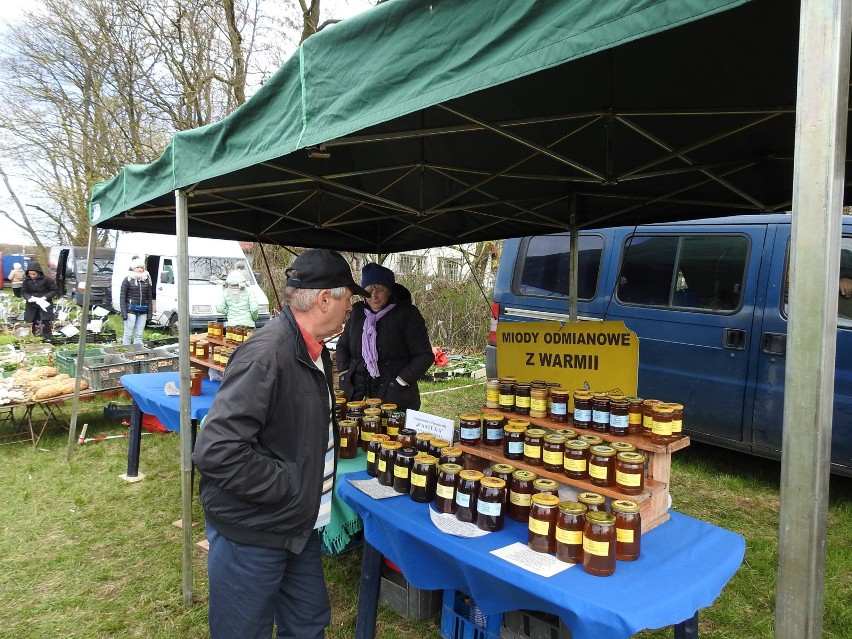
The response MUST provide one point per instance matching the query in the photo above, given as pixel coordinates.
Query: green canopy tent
(421, 124)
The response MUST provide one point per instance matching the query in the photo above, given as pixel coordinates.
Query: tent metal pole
(819, 158)
(81, 342)
(575, 260)
(182, 221)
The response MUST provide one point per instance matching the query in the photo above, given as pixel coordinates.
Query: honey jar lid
(339, 400)
(624, 506)
(347, 422)
(544, 499)
(675, 406)
(423, 437)
(440, 444)
(522, 475)
(536, 432)
(371, 419)
(503, 468)
(377, 437)
(469, 417)
(554, 438)
(471, 475)
(492, 482)
(593, 440)
(543, 483)
(388, 407)
(389, 445)
(356, 404)
(572, 507)
(603, 451)
(451, 451)
(663, 409)
(631, 457)
(577, 444)
(450, 469)
(582, 395)
(616, 397)
(373, 412)
(600, 518)
(492, 417)
(567, 433)
(517, 425)
(426, 459)
(406, 452)
(622, 447)
(635, 400)
(374, 401)
(588, 497)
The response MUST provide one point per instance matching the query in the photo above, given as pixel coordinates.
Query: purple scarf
(368, 338)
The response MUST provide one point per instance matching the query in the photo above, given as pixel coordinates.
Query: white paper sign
(69, 330)
(95, 326)
(448, 524)
(441, 427)
(62, 315)
(100, 311)
(372, 488)
(525, 557)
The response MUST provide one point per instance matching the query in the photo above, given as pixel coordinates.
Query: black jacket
(261, 452)
(41, 286)
(136, 291)
(404, 350)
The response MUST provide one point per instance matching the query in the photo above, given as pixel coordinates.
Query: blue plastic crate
(461, 619)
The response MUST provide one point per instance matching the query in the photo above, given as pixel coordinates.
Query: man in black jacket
(267, 457)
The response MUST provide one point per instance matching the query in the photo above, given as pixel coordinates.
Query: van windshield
(102, 267)
(215, 269)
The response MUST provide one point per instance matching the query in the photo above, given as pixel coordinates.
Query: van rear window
(546, 267)
(697, 272)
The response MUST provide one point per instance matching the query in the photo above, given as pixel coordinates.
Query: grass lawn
(86, 555)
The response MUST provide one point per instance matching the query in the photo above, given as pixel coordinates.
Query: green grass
(86, 555)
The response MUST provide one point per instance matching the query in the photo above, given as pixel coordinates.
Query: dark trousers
(251, 586)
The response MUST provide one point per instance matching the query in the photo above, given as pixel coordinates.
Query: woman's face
(32, 274)
(139, 269)
(379, 296)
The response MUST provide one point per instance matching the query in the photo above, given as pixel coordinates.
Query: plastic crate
(114, 410)
(406, 600)
(105, 371)
(461, 619)
(133, 352)
(160, 360)
(66, 361)
(531, 624)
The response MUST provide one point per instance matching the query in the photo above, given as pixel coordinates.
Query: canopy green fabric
(409, 179)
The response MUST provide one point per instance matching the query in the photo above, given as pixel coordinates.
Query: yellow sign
(600, 356)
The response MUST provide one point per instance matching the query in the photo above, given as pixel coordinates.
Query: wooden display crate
(653, 501)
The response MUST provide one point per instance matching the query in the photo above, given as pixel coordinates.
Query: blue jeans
(133, 327)
(251, 586)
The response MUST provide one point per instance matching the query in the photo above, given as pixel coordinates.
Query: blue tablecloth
(147, 391)
(684, 565)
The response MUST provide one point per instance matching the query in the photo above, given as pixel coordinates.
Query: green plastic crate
(66, 361)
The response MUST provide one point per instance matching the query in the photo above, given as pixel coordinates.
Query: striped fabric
(324, 515)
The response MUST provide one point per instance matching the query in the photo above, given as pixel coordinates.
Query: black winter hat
(322, 268)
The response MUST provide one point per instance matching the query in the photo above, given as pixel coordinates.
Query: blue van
(708, 301)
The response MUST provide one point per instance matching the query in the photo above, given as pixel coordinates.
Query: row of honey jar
(234, 334)
(602, 412)
(219, 355)
(359, 420)
(585, 457)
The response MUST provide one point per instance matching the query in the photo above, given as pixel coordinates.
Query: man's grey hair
(302, 299)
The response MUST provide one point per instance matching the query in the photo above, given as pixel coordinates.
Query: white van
(209, 263)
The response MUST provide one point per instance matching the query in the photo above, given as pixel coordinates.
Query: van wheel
(173, 325)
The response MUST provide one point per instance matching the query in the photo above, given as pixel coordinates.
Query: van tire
(173, 325)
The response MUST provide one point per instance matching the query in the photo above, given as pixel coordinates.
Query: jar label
(493, 433)
(492, 395)
(598, 472)
(507, 400)
(533, 452)
(662, 428)
(559, 409)
(418, 480)
(539, 405)
(628, 479)
(371, 457)
(600, 416)
(462, 499)
(618, 421)
(553, 458)
(523, 402)
(597, 548)
(647, 421)
(677, 425)
(575, 465)
(400, 471)
(516, 448)
(520, 499)
(624, 535)
(382, 465)
(573, 537)
(344, 442)
(393, 431)
(489, 508)
(444, 492)
(582, 414)
(635, 418)
(539, 527)
(470, 433)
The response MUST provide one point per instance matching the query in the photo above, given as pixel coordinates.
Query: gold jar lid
(517, 425)
(492, 482)
(426, 459)
(523, 475)
(593, 440)
(536, 432)
(567, 433)
(347, 423)
(450, 469)
(635, 400)
(506, 469)
(622, 447)
(469, 417)
(624, 506)
(492, 417)
(424, 437)
(378, 437)
(451, 451)
(554, 438)
(588, 497)
(376, 412)
(374, 401)
(388, 407)
(391, 445)
(631, 458)
(603, 451)
(600, 518)
(440, 444)
(577, 444)
(572, 507)
(543, 483)
(544, 499)
(471, 475)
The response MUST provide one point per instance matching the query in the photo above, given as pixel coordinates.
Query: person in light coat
(238, 303)
(16, 278)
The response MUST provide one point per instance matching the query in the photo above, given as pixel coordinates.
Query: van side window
(546, 267)
(694, 272)
(844, 304)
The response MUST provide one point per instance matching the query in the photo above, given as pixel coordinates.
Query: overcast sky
(12, 9)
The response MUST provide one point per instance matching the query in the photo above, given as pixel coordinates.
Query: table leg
(135, 440)
(368, 594)
(687, 629)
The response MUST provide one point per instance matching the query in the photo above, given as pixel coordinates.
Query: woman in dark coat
(39, 291)
(136, 301)
(384, 348)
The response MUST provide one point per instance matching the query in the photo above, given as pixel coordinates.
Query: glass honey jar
(648, 406)
(513, 438)
(402, 466)
(619, 416)
(522, 399)
(370, 425)
(422, 441)
(545, 486)
(492, 427)
(661, 427)
(387, 458)
(466, 495)
(533, 442)
(559, 399)
(340, 408)
(552, 455)
(407, 437)
(538, 401)
(386, 410)
(470, 429)
(506, 398)
(355, 412)
(520, 494)
(576, 459)
(445, 489)
(582, 410)
(628, 529)
(599, 544)
(592, 501)
(504, 472)
(373, 452)
(452, 455)
(348, 439)
(544, 512)
(202, 349)
(569, 532)
(492, 393)
(491, 504)
(437, 445)
(677, 420)
(600, 412)
(602, 465)
(373, 402)
(424, 478)
(630, 473)
(396, 421)
(634, 415)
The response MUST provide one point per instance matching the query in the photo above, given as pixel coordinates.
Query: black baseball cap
(322, 268)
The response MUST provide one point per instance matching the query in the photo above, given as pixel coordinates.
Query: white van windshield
(215, 269)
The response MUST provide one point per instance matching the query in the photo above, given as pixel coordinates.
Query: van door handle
(735, 338)
(774, 344)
